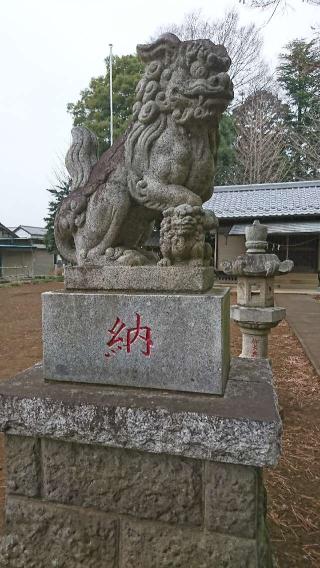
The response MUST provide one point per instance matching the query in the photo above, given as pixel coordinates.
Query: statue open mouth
(208, 95)
(216, 90)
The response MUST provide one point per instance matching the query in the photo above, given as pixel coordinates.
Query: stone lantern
(255, 312)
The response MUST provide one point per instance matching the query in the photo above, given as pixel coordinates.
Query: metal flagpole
(111, 102)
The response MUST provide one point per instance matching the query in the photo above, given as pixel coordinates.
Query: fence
(223, 278)
(14, 272)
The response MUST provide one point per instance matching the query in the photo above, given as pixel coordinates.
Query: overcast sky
(49, 51)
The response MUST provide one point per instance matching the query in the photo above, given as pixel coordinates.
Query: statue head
(186, 78)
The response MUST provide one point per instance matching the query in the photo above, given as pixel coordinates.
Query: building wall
(26, 263)
(43, 262)
(4, 234)
(229, 247)
(16, 263)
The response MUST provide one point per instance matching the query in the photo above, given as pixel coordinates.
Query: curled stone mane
(151, 106)
(149, 111)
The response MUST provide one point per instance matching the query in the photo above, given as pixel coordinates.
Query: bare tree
(243, 43)
(261, 140)
(274, 3)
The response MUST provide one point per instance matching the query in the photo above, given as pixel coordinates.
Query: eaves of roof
(297, 199)
(7, 230)
(33, 231)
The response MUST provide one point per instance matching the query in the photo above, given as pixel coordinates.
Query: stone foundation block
(231, 499)
(242, 427)
(111, 477)
(126, 482)
(163, 341)
(156, 546)
(42, 535)
(23, 465)
(139, 278)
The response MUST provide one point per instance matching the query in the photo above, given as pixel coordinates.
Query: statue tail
(81, 156)
(80, 160)
(64, 240)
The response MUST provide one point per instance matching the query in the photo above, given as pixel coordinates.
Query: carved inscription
(123, 338)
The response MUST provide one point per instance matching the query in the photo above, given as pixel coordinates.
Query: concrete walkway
(303, 316)
(314, 292)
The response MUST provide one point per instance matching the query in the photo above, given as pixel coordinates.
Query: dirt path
(293, 487)
(303, 316)
(20, 339)
(20, 329)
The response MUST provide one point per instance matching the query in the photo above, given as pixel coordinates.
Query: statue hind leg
(134, 233)
(106, 212)
(118, 232)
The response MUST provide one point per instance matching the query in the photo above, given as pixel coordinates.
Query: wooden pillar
(216, 250)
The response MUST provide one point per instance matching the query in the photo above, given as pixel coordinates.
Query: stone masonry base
(72, 505)
(113, 477)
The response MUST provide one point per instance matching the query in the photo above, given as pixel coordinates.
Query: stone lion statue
(165, 160)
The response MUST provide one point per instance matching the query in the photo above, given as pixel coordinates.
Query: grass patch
(37, 280)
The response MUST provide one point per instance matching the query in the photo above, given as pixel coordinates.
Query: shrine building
(291, 211)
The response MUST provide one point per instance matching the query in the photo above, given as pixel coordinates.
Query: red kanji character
(134, 333)
(118, 341)
(254, 347)
(116, 338)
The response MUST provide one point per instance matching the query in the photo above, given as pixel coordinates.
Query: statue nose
(223, 80)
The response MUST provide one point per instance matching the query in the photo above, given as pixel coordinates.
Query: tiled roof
(33, 231)
(266, 200)
(7, 230)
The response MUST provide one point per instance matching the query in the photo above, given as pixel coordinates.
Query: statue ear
(167, 43)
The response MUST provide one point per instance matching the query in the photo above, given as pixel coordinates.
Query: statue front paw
(134, 258)
(164, 262)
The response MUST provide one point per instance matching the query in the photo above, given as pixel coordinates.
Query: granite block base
(107, 477)
(139, 278)
(241, 427)
(163, 341)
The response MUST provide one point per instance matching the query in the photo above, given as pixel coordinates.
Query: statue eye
(198, 70)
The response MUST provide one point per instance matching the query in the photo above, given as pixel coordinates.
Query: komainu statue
(162, 168)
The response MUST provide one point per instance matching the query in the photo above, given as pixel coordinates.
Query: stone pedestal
(108, 477)
(164, 341)
(140, 278)
(255, 325)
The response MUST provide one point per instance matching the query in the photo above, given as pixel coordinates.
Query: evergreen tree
(225, 171)
(93, 107)
(299, 75)
(59, 192)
